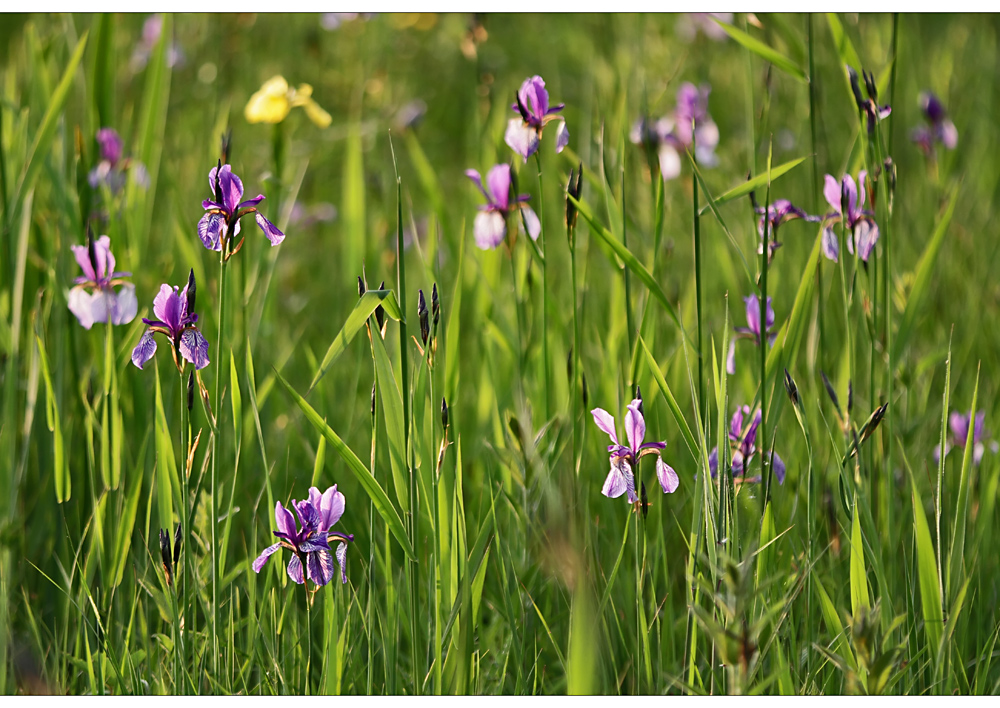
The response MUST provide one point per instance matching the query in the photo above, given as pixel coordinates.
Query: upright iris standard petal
(635, 425)
(620, 479)
(490, 225)
(221, 221)
(178, 322)
(498, 186)
(532, 105)
(606, 422)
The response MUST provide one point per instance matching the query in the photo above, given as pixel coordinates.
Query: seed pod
(425, 327)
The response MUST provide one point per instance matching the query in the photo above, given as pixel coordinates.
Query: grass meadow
(438, 351)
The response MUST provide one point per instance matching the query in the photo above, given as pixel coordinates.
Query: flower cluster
(625, 458)
(939, 127)
(112, 168)
(176, 319)
(847, 201)
(94, 298)
(753, 329)
(743, 441)
(310, 546)
(490, 226)
(223, 213)
(533, 105)
(689, 125)
(275, 99)
(959, 425)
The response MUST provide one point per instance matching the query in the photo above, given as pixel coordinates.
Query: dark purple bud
(890, 173)
(444, 413)
(829, 390)
(425, 327)
(435, 305)
(933, 108)
(192, 291)
(218, 188)
(92, 252)
(190, 391)
(569, 363)
(850, 395)
(380, 311)
(361, 287)
(165, 559)
(856, 89)
(870, 85)
(791, 388)
(643, 499)
(583, 385)
(520, 108)
(177, 544)
(873, 420)
(573, 189)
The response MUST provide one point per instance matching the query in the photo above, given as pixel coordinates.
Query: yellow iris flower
(275, 99)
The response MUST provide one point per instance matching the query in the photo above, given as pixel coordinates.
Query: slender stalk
(413, 566)
(213, 512)
(185, 443)
(765, 248)
(638, 599)
(574, 390)
(815, 170)
(309, 635)
(372, 332)
(629, 318)
(545, 293)
(438, 555)
(697, 288)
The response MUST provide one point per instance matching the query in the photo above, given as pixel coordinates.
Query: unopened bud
(638, 397)
(573, 189)
(92, 251)
(218, 176)
(643, 499)
(850, 395)
(227, 144)
(165, 559)
(425, 327)
(435, 305)
(192, 291)
(583, 385)
(856, 88)
(373, 400)
(830, 390)
(380, 311)
(870, 85)
(361, 287)
(791, 388)
(177, 544)
(190, 391)
(444, 413)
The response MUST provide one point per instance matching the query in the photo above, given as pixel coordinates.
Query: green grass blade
(392, 409)
(675, 410)
(631, 262)
(744, 188)
(789, 337)
(927, 571)
(922, 276)
(859, 578)
(54, 421)
(363, 309)
(377, 495)
(956, 555)
(166, 466)
(46, 132)
(765, 52)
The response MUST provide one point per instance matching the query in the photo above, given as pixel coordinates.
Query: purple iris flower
(111, 170)
(490, 227)
(777, 214)
(222, 216)
(959, 425)
(533, 104)
(691, 23)
(311, 544)
(177, 320)
(744, 446)
(624, 458)
(938, 129)
(860, 222)
(94, 298)
(868, 107)
(752, 330)
(673, 134)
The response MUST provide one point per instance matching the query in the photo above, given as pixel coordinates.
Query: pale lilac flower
(938, 129)
(112, 169)
(176, 319)
(94, 298)
(490, 226)
(532, 103)
(753, 330)
(223, 214)
(690, 24)
(625, 458)
(847, 201)
(778, 213)
(151, 30)
(959, 425)
(689, 124)
(310, 546)
(743, 442)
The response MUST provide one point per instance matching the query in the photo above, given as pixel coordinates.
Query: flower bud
(380, 311)
(165, 559)
(638, 396)
(227, 144)
(830, 390)
(435, 305)
(444, 413)
(361, 287)
(850, 395)
(177, 544)
(870, 85)
(425, 327)
(192, 291)
(573, 189)
(856, 89)
(190, 391)
(373, 400)
(791, 389)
